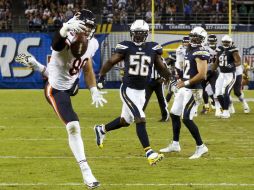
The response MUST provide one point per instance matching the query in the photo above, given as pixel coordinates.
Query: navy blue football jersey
(226, 59)
(190, 65)
(138, 62)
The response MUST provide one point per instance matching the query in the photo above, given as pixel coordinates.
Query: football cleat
(154, 157)
(231, 108)
(225, 114)
(100, 135)
(205, 110)
(171, 148)
(218, 112)
(90, 181)
(93, 185)
(200, 150)
(246, 108)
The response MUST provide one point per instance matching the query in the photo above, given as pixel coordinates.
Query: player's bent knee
(140, 120)
(123, 123)
(187, 121)
(237, 93)
(73, 128)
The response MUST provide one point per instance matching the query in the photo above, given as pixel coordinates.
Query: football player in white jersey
(209, 83)
(63, 73)
(180, 53)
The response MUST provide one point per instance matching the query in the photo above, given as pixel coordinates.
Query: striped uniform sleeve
(234, 49)
(121, 48)
(157, 48)
(202, 54)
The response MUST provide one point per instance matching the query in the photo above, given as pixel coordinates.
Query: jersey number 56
(139, 65)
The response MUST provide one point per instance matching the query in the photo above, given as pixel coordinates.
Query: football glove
(74, 24)
(97, 97)
(101, 82)
(172, 86)
(24, 60)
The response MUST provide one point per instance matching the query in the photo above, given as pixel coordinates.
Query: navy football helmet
(88, 18)
(186, 41)
(212, 41)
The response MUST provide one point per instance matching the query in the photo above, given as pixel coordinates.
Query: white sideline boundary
(135, 184)
(120, 157)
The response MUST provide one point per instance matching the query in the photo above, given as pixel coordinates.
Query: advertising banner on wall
(14, 75)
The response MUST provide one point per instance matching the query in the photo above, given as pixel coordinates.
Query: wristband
(186, 83)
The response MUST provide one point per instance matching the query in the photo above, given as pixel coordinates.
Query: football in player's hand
(79, 45)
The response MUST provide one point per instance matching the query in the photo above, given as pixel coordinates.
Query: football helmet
(88, 18)
(186, 41)
(139, 32)
(212, 41)
(226, 41)
(197, 36)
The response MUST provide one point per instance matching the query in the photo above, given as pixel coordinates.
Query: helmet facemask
(139, 37)
(196, 40)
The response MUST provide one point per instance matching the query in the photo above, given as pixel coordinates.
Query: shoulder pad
(157, 47)
(121, 45)
(201, 52)
(233, 49)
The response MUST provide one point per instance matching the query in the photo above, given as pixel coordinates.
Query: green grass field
(34, 151)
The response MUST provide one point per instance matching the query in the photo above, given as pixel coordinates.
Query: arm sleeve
(58, 42)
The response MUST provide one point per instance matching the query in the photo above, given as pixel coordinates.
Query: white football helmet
(226, 41)
(139, 31)
(197, 36)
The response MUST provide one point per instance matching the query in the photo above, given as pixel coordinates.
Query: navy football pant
(61, 102)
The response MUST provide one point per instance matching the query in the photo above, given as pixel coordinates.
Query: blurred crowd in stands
(47, 15)
(5, 15)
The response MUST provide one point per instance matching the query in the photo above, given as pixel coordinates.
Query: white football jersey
(213, 54)
(64, 68)
(180, 53)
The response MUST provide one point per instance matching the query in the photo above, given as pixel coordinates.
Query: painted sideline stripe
(131, 184)
(119, 157)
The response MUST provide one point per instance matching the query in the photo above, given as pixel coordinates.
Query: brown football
(79, 45)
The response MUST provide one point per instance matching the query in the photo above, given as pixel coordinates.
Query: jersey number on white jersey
(139, 65)
(77, 65)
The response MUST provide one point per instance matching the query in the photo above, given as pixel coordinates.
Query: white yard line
(134, 184)
(120, 157)
(243, 142)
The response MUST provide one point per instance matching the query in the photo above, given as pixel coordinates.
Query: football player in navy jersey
(227, 60)
(139, 56)
(190, 93)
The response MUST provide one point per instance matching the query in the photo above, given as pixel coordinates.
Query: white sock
(39, 67)
(175, 143)
(76, 143)
(217, 103)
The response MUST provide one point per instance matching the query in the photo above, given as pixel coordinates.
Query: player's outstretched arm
(97, 96)
(115, 58)
(237, 58)
(31, 62)
(161, 67)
